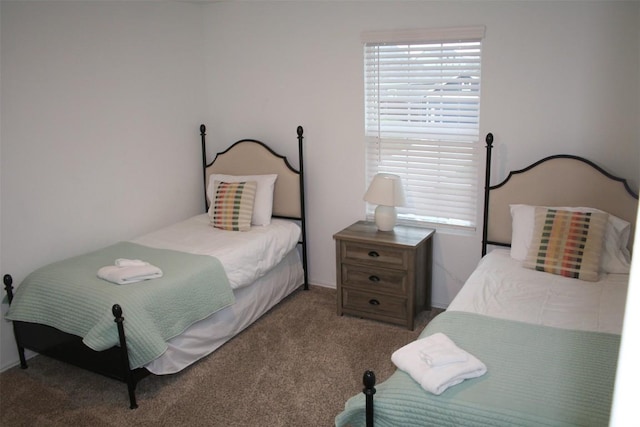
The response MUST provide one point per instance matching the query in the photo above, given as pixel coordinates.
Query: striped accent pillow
(233, 205)
(567, 243)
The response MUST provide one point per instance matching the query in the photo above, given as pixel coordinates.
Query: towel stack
(125, 271)
(437, 363)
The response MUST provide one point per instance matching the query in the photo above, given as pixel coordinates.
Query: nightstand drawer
(373, 279)
(375, 255)
(373, 303)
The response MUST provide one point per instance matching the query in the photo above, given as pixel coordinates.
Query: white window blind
(422, 110)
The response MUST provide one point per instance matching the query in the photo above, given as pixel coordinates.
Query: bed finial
(300, 131)
(489, 139)
(369, 380)
(8, 285)
(117, 311)
(203, 129)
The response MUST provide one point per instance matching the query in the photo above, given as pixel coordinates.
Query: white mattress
(252, 301)
(500, 287)
(245, 256)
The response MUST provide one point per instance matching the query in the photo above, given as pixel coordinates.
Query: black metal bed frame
(114, 362)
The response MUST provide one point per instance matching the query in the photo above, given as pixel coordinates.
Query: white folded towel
(435, 379)
(124, 262)
(132, 274)
(438, 349)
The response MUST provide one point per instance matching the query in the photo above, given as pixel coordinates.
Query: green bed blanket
(536, 376)
(69, 296)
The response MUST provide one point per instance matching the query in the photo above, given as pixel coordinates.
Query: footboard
(68, 348)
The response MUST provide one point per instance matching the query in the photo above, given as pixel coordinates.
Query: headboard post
(300, 131)
(487, 184)
(203, 133)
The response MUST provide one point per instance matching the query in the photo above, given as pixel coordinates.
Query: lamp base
(385, 217)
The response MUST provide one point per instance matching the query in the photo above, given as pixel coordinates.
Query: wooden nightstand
(384, 275)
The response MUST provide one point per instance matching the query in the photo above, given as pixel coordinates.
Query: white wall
(95, 93)
(101, 104)
(557, 77)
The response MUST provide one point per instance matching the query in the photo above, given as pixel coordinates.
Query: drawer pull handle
(374, 278)
(374, 302)
(374, 254)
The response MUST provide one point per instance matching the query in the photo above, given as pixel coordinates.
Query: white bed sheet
(245, 256)
(500, 287)
(207, 335)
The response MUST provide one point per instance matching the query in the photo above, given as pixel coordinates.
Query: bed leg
(8, 285)
(369, 381)
(23, 359)
(131, 385)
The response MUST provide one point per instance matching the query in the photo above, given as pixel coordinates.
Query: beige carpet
(294, 367)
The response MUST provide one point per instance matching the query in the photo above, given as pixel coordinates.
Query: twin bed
(219, 272)
(546, 328)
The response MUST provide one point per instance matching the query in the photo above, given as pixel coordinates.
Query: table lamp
(385, 191)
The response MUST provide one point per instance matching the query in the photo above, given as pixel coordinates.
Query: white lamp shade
(385, 191)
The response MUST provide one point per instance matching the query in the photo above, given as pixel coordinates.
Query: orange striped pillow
(232, 205)
(567, 243)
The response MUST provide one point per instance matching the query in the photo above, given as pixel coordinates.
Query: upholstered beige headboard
(562, 180)
(250, 157)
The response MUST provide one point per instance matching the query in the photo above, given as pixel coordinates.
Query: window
(422, 109)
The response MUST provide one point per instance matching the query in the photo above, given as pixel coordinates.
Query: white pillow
(615, 258)
(263, 202)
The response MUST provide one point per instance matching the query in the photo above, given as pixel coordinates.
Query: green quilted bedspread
(536, 376)
(69, 296)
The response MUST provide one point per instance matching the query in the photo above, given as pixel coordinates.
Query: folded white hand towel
(126, 275)
(439, 378)
(124, 262)
(438, 350)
